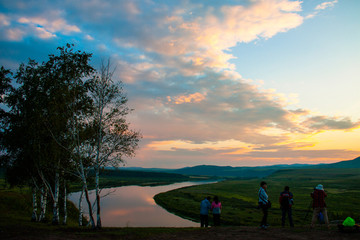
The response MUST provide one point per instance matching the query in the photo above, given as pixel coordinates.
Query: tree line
(60, 121)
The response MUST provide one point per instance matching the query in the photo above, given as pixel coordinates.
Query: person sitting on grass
(216, 210)
(319, 205)
(204, 212)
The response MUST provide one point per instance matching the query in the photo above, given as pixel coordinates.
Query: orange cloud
(191, 98)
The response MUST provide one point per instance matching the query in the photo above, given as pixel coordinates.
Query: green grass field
(239, 198)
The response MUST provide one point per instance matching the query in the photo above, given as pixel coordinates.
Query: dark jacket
(319, 198)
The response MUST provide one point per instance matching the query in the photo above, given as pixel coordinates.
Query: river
(134, 206)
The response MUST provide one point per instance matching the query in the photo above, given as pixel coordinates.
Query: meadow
(239, 197)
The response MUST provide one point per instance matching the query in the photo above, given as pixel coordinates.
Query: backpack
(321, 217)
(285, 200)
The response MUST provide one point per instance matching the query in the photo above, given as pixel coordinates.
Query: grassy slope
(239, 198)
(16, 207)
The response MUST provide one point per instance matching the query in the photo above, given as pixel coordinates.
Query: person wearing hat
(319, 204)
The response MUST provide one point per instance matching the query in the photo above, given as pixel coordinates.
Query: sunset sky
(240, 83)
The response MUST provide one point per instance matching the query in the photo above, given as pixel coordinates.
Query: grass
(239, 197)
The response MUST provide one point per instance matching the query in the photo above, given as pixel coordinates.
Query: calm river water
(134, 206)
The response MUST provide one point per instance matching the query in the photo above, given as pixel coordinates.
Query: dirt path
(220, 233)
(228, 233)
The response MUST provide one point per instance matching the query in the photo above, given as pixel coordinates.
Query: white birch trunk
(55, 220)
(65, 206)
(97, 189)
(34, 213)
(81, 207)
(83, 178)
(43, 203)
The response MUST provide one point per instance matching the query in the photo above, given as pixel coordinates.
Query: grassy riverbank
(239, 198)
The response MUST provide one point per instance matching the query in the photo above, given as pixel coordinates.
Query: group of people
(214, 207)
(286, 200)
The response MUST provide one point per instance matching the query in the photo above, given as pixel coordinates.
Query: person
(264, 204)
(319, 205)
(286, 201)
(216, 210)
(204, 212)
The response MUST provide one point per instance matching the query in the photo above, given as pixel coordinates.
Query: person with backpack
(286, 201)
(264, 204)
(204, 212)
(319, 205)
(216, 210)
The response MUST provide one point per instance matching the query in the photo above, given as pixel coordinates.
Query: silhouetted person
(216, 210)
(264, 204)
(204, 212)
(286, 201)
(319, 205)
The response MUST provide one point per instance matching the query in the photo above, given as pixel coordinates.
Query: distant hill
(355, 163)
(247, 172)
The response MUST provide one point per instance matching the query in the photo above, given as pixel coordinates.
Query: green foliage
(239, 198)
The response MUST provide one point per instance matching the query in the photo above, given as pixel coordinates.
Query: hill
(251, 172)
(247, 172)
(355, 163)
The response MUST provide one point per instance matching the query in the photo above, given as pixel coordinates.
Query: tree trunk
(97, 189)
(43, 203)
(91, 216)
(80, 207)
(55, 220)
(65, 206)
(34, 213)
(83, 178)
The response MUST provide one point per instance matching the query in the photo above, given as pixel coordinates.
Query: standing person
(204, 212)
(216, 210)
(319, 205)
(286, 200)
(264, 204)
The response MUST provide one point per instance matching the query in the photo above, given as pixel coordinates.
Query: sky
(229, 83)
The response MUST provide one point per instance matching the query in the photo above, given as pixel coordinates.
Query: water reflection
(134, 206)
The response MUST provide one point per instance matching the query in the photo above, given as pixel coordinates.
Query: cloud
(321, 7)
(325, 5)
(330, 123)
(201, 41)
(49, 26)
(14, 34)
(89, 37)
(175, 59)
(190, 98)
(4, 21)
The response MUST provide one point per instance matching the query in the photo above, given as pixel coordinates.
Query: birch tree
(113, 138)
(37, 138)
